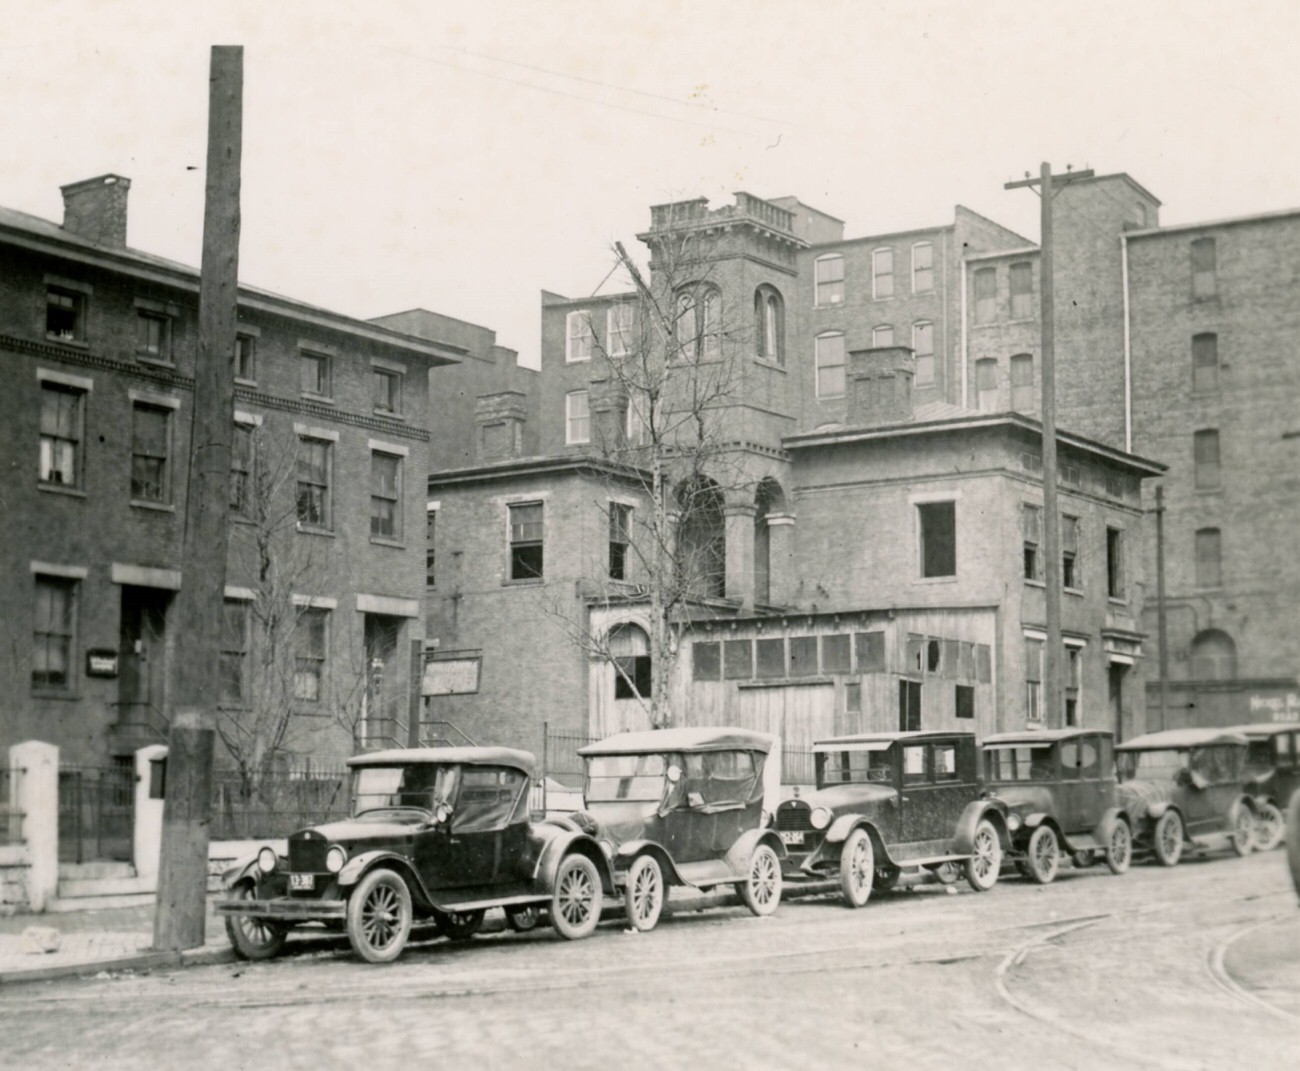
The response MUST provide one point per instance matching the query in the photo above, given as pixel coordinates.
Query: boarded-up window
(853, 697)
(938, 532)
(835, 654)
(1205, 454)
(803, 656)
(986, 295)
(771, 657)
(870, 651)
(738, 659)
(965, 701)
(983, 663)
(1205, 363)
(706, 661)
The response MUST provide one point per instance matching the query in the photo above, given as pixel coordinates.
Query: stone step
(62, 906)
(97, 869)
(76, 888)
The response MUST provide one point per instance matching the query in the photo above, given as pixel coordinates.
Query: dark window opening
(965, 701)
(938, 538)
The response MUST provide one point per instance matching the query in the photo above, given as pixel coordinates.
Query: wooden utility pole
(1162, 620)
(183, 863)
(1054, 694)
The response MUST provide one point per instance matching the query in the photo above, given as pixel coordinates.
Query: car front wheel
(253, 939)
(857, 868)
(643, 894)
(1119, 852)
(986, 858)
(1243, 829)
(575, 901)
(379, 916)
(1269, 826)
(761, 889)
(1167, 842)
(1043, 857)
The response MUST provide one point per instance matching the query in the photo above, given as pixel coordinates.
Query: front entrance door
(142, 680)
(1115, 680)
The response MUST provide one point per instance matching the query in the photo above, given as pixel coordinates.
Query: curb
(193, 957)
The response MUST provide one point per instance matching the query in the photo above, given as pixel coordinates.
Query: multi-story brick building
(327, 546)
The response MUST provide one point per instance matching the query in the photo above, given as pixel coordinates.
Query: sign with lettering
(101, 663)
(1278, 708)
(451, 676)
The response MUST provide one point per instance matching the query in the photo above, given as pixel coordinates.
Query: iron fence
(11, 816)
(278, 803)
(96, 812)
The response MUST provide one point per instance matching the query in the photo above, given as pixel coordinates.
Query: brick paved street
(1185, 968)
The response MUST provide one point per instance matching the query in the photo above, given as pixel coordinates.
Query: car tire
(253, 939)
(1083, 860)
(1043, 855)
(1167, 839)
(761, 889)
(524, 918)
(946, 873)
(985, 861)
(575, 900)
(1243, 828)
(886, 879)
(857, 868)
(1270, 826)
(643, 893)
(379, 916)
(1119, 852)
(459, 925)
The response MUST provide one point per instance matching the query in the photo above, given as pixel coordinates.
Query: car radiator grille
(792, 817)
(307, 856)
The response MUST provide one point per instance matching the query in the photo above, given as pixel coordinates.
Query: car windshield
(612, 778)
(383, 787)
(1158, 765)
(1021, 762)
(1259, 756)
(855, 767)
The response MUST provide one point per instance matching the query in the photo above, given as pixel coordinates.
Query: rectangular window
(737, 659)
(65, 315)
(61, 434)
(882, 273)
(1209, 558)
(1205, 363)
(1033, 680)
(1073, 680)
(1071, 569)
(706, 661)
(870, 651)
(309, 654)
(620, 527)
(1022, 291)
(853, 697)
(922, 268)
(803, 656)
(315, 373)
(964, 701)
(577, 417)
(985, 283)
(829, 275)
(986, 384)
(234, 652)
(242, 463)
(153, 336)
(387, 390)
(526, 558)
(618, 330)
(150, 453)
(430, 547)
(909, 707)
(1115, 563)
(943, 762)
(1024, 398)
(246, 358)
(770, 657)
(937, 522)
(54, 633)
(923, 347)
(315, 508)
(830, 366)
(882, 335)
(579, 336)
(1205, 257)
(385, 496)
(836, 653)
(1205, 456)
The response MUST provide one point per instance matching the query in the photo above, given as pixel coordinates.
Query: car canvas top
(470, 756)
(1035, 736)
(1176, 739)
(693, 739)
(1263, 729)
(841, 743)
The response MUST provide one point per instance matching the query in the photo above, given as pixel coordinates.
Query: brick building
(327, 546)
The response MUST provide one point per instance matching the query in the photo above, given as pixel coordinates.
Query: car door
(476, 833)
(916, 801)
(1211, 788)
(1080, 781)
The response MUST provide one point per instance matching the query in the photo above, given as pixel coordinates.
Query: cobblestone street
(1185, 968)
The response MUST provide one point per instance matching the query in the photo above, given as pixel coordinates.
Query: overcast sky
(462, 157)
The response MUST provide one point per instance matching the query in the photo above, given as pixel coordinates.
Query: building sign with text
(1277, 707)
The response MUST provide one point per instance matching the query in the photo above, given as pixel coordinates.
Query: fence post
(38, 799)
(146, 840)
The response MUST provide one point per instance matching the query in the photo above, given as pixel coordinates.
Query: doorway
(142, 646)
(1115, 673)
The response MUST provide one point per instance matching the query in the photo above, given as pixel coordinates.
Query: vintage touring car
(686, 807)
(1060, 793)
(436, 834)
(1185, 787)
(1272, 776)
(889, 801)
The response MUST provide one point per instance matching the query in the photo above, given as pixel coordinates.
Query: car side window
(944, 760)
(913, 764)
(1080, 759)
(487, 798)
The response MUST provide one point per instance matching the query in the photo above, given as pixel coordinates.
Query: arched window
(1209, 558)
(711, 326)
(1205, 363)
(1205, 459)
(1023, 394)
(697, 325)
(1214, 656)
(986, 384)
(701, 538)
(769, 325)
(923, 348)
(629, 648)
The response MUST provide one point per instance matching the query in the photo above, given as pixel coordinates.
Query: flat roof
(708, 738)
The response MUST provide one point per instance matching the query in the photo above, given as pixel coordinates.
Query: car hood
(1023, 799)
(841, 798)
(1137, 796)
(623, 821)
(359, 830)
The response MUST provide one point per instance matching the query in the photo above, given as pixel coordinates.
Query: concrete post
(147, 837)
(38, 798)
(739, 520)
(780, 557)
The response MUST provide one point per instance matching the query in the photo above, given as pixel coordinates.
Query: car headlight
(1013, 822)
(266, 860)
(335, 858)
(820, 818)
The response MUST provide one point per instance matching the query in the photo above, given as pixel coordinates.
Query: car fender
(743, 848)
(843, 826)
(1033, 821)
(358, 866)
(628, 852)
(247, 868)
(963, 840)
(1101, 834)
(1158, 808)
(564, 843)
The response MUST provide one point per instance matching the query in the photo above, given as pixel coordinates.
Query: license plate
(302, 881)
(791, 837)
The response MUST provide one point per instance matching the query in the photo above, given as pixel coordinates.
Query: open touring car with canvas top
(1272, 776)
(436, 834)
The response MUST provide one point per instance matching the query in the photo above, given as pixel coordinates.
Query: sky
(462, 157)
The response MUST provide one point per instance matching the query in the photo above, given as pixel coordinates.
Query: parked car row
(438, 836)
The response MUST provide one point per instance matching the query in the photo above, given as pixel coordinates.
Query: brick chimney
(499, 419)
(880, 385)
(96, 209)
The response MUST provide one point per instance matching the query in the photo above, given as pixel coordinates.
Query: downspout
(965, 386)
(1128, 350)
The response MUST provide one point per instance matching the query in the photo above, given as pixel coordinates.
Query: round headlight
(334, 859)
(1013, 822)
(820, 818)
(266, 859)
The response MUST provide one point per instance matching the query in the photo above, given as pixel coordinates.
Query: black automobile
(1272, 776)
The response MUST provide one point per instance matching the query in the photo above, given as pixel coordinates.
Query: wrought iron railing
(11, 815)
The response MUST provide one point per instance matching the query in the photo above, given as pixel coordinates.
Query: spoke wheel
(986, 858)
(575, 901)
(1243, 829)
(459, 925)
(857, 868)
(379, 916)
(1043, 857)
(1167, 841)
(1269, 826)
(643, 895)
(251, 938)
(1119, 852)
(761, 889)
(523, 919)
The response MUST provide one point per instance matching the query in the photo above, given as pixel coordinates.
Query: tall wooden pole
(1054, 693)
(1162, 619)
(183, 863)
